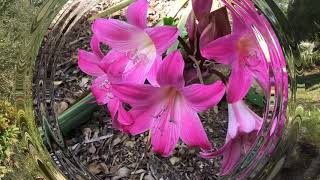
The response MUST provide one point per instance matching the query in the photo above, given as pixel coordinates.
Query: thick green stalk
(79, 113)
(113, 9)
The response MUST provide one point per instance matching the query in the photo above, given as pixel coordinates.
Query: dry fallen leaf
(174, 160)
(94, 168)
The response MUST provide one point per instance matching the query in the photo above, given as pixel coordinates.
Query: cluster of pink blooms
(138, 73)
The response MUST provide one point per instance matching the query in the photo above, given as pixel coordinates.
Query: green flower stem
(113, 9)
(181, 24)
(77, 114)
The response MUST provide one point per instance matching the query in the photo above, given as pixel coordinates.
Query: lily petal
(124, 117)
(242, 119)
(164, 134)
(101, 90)
(121, 36)
(213, 154)
(142, 120)
(113, 106)
(222, 49)
(218, 26)
(136, 73)
(231, 156)
(114, 64)
(95, 46)
(152, 75)
(240, 82)
(233, 124)
(191, 26)
(238, 26)
(171, 71)
(137, 95)
(89, 63)
(201, 8)
(192, 132)
(137, 13)
(203, 97)
(163, 37)
(248, 141)
(260, 73)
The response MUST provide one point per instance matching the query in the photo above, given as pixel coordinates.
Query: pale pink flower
(170, 110)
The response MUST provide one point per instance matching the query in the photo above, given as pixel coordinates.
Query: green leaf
(169, 21)
(254, 98)
(223, 105)
(121, 5)
(181, 26)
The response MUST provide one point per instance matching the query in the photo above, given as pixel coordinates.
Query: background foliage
(8, 136)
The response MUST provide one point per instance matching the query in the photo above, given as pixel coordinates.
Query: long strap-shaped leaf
(113, 9)
(77, 114)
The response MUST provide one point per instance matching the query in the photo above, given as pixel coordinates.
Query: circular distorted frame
(264, 19)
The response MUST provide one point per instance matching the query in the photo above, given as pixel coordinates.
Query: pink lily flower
(243, 127)
(142, 46)
(105, 69)
(232, 151)
(170, 110)
(242, 51)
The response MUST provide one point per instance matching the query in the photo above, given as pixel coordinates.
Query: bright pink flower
(243, 126)
(105, 69)
(170, 110)
(142, 46)
(135, 55)
(242, 51)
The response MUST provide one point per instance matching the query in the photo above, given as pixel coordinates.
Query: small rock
(190, 169)
(174, 160)
(139, 171)
(96, 133)
(57, 83)
(92, 149)
(215, 109)
(59, 108)
(145, 140)
(113, 169)
(148, 177)
(116, 141)
(104, 168)
(121, 173)
(130, 144)
(86, 132)
(84, 81)
(94, 168)
(192, 151)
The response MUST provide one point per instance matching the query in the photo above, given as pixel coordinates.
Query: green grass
(310, 126)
